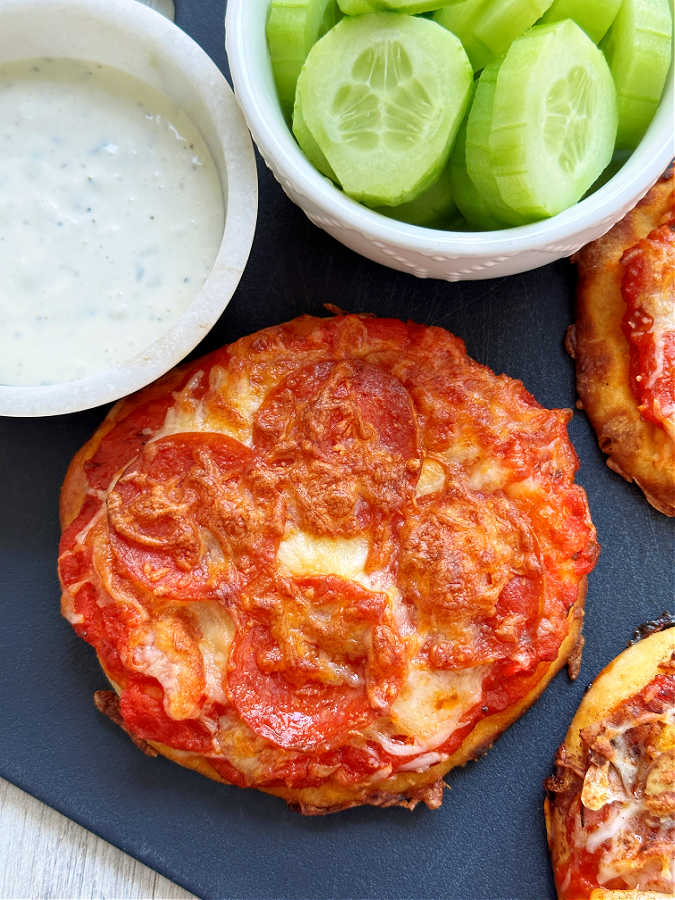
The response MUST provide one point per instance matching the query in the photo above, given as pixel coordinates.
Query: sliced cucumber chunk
(433, 208)
(469, 201)
(308, 145)
(383, 96)
(554, 120)
(594, 16)
(487, 28)
(293, 27)
(638, 48)
(478, 155)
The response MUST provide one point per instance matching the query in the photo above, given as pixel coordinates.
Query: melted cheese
(432, 478)
(301, 554)
(217, 631)
(429, 708)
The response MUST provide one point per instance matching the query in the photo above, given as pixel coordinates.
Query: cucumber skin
(594, 16)
(433, 208)
(487, 28)
(308, 144)
(408, 7)
(467, 197)
(524, 186)
(477, 151)
(393, 185)
(639, 49)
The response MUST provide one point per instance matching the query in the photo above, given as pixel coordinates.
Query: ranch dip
(111, 218)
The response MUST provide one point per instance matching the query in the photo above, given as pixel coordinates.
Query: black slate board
(488, 839)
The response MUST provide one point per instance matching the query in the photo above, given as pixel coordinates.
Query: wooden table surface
(43, 855)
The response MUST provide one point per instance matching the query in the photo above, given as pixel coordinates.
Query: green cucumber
(478, 156)
(293, 27)
(433, 208)
(308, 145)
(383, 96)
(554, 120)
(638, 48)
(410, 7)
(594, 17)
(469, 201)
(487, 28)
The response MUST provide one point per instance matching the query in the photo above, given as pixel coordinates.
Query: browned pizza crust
(637, 449)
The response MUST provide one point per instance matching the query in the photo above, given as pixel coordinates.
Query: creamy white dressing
(111, 218)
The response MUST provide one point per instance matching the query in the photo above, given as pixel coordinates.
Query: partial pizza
(330, 561)
(610, 810)
(624, 344)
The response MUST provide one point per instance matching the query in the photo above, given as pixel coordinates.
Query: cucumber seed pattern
(569, 104)
(384, 102)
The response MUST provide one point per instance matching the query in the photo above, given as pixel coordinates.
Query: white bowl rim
(280, 146)
(241, 206)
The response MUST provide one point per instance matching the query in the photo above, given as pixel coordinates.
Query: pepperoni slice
(183, 521)
(343, 438)
(470, 568)
(314, 658)
(142, 708)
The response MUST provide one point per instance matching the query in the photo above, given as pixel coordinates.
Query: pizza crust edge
(638, 450)
(627, 674)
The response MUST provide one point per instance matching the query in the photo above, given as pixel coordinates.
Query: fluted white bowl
(425, 252)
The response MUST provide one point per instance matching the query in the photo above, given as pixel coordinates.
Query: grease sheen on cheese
(111, 219)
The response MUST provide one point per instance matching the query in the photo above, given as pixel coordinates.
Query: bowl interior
(129, 36)
(254, 83)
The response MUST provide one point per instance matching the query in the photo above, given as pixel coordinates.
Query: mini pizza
(330, 561)
(610, 810)
(624, 344)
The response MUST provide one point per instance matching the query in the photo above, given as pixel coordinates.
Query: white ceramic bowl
(131, 37)
(425, 252)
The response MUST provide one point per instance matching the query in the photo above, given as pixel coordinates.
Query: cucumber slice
(638, 48)
(383, 95)
(433, 208)
(293, 27)
(308, 145)
(487, 28)
(478, 156)
(594, 17)
(410, 7)
(469, 201)
(554, 120)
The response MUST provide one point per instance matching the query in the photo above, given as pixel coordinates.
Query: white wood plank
(45, 855)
